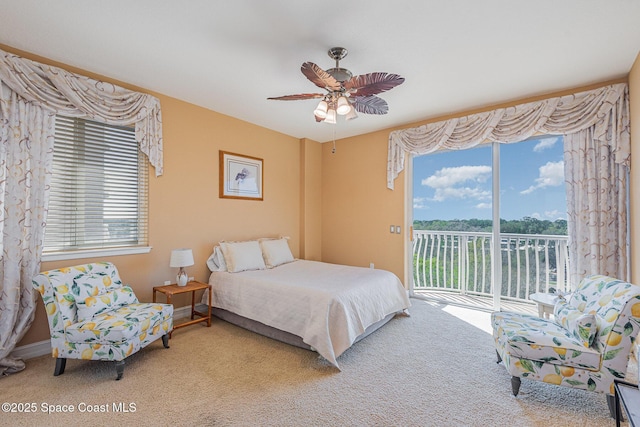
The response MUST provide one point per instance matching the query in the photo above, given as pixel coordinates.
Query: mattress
(328, 305)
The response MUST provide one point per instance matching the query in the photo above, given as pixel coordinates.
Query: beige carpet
(430, 369)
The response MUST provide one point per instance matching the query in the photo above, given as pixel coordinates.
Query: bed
(315, 305)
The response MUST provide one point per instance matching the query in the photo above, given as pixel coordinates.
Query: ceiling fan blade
(319, 77)
(372, 83)
(298, 97)
(370, 104)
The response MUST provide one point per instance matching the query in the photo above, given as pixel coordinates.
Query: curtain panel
(596, 208)
(606, 108)
(26, 161)
(74, 95)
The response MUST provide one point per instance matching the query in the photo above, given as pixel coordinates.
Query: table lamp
(181, 258)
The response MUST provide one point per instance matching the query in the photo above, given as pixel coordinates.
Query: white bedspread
(328, 305)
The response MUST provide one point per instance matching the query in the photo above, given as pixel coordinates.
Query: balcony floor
(477, 302)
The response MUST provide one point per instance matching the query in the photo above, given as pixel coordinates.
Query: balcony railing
(462, 262)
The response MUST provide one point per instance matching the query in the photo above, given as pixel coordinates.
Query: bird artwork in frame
(241, 177)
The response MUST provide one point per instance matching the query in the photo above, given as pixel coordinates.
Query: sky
(458, 184)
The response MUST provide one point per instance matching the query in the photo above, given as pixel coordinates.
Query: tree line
(526, 225)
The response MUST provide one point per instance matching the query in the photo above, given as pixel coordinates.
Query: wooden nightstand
(192, 286)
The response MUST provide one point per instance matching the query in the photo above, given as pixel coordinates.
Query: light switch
(392, 229)
(397, 229)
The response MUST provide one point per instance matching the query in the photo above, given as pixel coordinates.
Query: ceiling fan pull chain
(333, 151)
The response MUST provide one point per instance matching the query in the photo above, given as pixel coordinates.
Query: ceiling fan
(346, 94)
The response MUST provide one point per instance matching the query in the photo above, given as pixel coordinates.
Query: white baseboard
(37, 349)
(32, 350)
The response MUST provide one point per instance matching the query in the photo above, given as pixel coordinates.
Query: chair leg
(499, 358)
(165, 340)
(515, 385)
(611, 403)
(119, 369)
(61, 363)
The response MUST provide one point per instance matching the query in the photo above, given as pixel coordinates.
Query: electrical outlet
(191, 279)
(371, 265)
(167, 282)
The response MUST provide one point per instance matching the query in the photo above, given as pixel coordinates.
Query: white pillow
(216, 260)
(242, 256)
(276, 252)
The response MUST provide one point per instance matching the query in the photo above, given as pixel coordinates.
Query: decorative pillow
(108, 301)
(216, 260)
(276, 252)
(86, 285)
(581, 325)
(242, 256)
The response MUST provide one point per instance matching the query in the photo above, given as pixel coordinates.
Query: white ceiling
(230, 55)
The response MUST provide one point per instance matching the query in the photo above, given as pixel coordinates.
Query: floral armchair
(587, 345)
(93, 316)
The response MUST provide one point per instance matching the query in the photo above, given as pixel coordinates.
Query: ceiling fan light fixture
(321, 109)
(343, 106)
(331, 117)
(344, 92)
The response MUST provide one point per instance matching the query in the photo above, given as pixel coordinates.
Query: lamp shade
(181, 258)
(343, 106)
(351, 114)
(321, 109)
(331, 116)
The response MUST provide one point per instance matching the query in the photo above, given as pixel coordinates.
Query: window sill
(94, 253)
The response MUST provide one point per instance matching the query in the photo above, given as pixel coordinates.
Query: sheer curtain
(596, 208)
(31, 94)
(596, 124)
(26, 157)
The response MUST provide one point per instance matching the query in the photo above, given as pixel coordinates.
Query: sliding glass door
(465, 201)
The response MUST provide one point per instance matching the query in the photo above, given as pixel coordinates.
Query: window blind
(99, 188)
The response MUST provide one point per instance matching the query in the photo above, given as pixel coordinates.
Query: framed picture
(241, 177)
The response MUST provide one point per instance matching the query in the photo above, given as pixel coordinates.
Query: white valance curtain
(597, 156)
(73, 95)
(31, 94)
(559, 116)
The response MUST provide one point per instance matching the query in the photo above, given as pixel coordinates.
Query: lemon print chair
(586, 345)
(93, 316)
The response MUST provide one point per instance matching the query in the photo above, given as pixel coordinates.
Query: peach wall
(357, 207)
(310, 200)
(634, 100)
(184, 207)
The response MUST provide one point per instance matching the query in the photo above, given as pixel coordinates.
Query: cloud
(443, 194)
(555, 214)
(483, 206)
(419, 203)
(448, 177)
(551, 175)
(545, 143)
(552, 215)
(458, 183)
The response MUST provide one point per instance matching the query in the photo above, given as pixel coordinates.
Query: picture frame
(241, 177)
